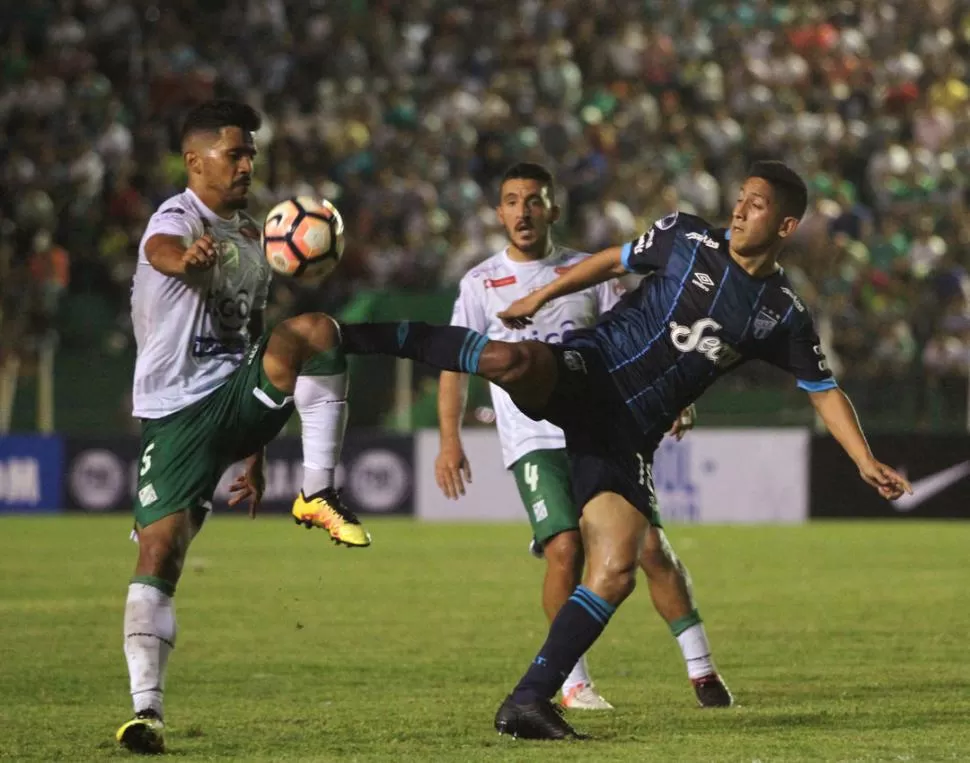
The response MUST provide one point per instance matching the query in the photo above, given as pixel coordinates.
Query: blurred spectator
(406, 114)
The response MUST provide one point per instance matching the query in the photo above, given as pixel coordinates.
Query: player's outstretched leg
(526, 370)
(670, 590)
(150, 625)
(303, 359)
(613, 532)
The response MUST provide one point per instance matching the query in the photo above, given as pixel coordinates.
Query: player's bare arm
(451, 468)
(839, 416)
(596, 269)
(168, 255)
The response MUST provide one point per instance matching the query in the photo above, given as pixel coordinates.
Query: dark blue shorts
(607, 450)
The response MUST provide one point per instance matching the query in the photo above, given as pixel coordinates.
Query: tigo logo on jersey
(704, 239)
(494, 283)
(702, 281)
(689, 339)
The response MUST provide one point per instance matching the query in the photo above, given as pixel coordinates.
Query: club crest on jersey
(764, 322)
(228, 254)
(250, 231)
(495, 283)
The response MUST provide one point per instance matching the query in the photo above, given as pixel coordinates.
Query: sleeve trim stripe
(817, 386)
(625, 256)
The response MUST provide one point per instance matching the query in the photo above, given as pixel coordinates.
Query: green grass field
(842, 642)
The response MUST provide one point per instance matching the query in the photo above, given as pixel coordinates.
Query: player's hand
(250, 485)
(888, 482)
(201, 255)
(684, 422)
(452, 470)
(519, 314)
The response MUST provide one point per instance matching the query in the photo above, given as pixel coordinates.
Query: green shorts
(184, 454)
(542, 477)
(544, 482)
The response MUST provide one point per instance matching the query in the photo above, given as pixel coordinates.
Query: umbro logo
(702, 280)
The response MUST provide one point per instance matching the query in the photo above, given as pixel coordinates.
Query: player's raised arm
(169, 255)
(595, 269)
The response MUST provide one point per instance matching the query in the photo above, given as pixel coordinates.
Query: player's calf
(670, 590)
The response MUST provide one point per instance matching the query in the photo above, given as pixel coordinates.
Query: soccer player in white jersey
(535, 450)
(211, 388)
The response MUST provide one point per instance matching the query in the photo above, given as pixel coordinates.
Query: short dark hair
(789, 187)
(531, 171)
(212, 116)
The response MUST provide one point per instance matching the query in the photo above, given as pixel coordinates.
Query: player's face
(225, 164)
(526, 211)
(757, 221)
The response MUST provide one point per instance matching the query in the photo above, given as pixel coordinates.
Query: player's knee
(161, 555)
(504, 362)
(317, 330)
(564, 552)
(614, 582)
(657, 559)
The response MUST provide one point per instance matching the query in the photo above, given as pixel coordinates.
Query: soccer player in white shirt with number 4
(535, 450)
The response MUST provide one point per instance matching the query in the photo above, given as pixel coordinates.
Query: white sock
(321, 402)
(578, 675)
(149, 638)
(696, 651)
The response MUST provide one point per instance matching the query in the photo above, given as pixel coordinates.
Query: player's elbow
(612, 260)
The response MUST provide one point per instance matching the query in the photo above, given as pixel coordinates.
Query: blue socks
(448, 348)
(578, 624)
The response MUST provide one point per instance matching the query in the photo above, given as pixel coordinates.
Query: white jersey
(192, 331)
(494, 285)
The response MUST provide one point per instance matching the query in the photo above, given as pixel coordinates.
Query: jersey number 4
(531, 474)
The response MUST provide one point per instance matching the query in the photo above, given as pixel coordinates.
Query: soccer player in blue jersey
(714, 298)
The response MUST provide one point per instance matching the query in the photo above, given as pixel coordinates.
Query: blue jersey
(695, 317)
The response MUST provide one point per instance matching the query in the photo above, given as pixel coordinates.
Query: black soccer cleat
(712, 691)
(143, 734)
(535, 720)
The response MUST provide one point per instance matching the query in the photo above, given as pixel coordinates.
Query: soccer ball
(303, 237)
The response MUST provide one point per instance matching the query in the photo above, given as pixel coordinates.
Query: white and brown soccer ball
(303, 237)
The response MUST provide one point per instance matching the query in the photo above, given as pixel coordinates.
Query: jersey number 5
(146, 460)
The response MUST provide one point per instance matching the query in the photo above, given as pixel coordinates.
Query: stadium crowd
(405, 114)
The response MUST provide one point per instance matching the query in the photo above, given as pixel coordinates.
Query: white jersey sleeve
(469, 310)
(172, 220)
